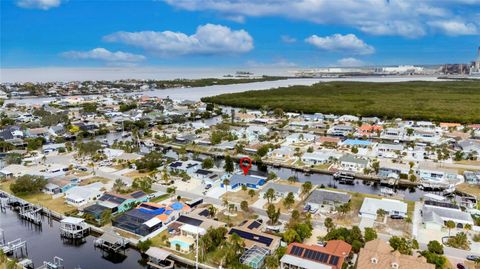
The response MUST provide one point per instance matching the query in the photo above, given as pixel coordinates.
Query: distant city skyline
(253, 34)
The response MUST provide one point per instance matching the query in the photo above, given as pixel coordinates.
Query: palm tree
(289, 200)
(251, 193)
(118, 185)
(450, 225)
(468, 227)
(329, 224)
(269, 195)
(306, 187)
(271, 262)
(212, 210)
(226, 182)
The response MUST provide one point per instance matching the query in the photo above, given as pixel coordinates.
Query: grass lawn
(239, 196)
(43, 199)
(93, 180)
(160, 198)
(136, 174)
(457, 101)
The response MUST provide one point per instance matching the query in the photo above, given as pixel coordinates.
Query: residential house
(281, 190)
(351, 163)
(341, 130)
(470, 146)
(370, 206)
(357, 143)
(252, 182)
(300, 137)
(119, 203)
(378, 254)
(325, 200)
(148, 217)
(388, 150)
(303, 256)
(188, 167)
(82, 195)
(252, 235)
(282, 153)
(432, 172)
(435, 215)
(320, 157)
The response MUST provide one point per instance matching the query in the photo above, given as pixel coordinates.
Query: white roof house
(370, 207)
(281, 190)
(81, 195)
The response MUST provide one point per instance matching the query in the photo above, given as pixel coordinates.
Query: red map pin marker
(245, 164)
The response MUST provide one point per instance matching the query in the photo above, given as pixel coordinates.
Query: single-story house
(435, 215)
(281, 190)
(189, 166)
(370, 207)
(300, 137)
(349, 162)
(303, 256)
(253, 182)
(320, 157)
(82, 195)
(326, 199)
(120, 203)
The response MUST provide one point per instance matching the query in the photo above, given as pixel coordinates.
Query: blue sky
(231, 33)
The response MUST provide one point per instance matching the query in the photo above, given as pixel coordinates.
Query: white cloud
(349, 44)
(288, 39)
(405, 18)
(350, 62)
(208, 39)
(104, 55)
(38, 4)
(455, 28)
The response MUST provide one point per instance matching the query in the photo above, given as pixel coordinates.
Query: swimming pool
(183, 245)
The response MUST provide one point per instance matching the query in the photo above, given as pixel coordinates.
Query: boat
(387, 191)
(344, 177)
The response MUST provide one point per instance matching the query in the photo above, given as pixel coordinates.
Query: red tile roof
(334, 247)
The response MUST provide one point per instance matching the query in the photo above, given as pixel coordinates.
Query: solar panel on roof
(252, 237)
(189, 220)
(324, 257)
(254, 225)
(334, 260)
(137, 194)
(204, 213)
(297, 251)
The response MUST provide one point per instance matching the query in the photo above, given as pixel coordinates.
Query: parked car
(396, 217)
(473, 257)
(461, 266)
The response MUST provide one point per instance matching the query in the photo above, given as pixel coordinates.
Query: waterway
(44, 243)
(196, 93)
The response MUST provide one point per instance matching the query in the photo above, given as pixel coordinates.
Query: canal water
(44, 243)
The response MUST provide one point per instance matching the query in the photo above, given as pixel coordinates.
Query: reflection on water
(44, 243)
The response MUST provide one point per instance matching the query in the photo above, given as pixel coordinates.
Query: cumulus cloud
(349, 44)
(288, 39)
(405, 18)
(208, 39)
(104, 55)
(38, 4)
(350, 62)
(455, 28)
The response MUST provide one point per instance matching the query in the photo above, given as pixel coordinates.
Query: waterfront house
(325, 200)
(432, 172)
(148, 217)
(303, 256)
(82, 195)
(470, 146)
(351, 163)
(340, 130)
(387, 167)
(388, 150)
(63, 184)
(189, 166)
(283, 153)
(320, 157)
(119, 203)
(435, 215)
(367, 130)
(281, 190)
(357, 143)
(370, 206)
(378, 254)
(252, 182)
